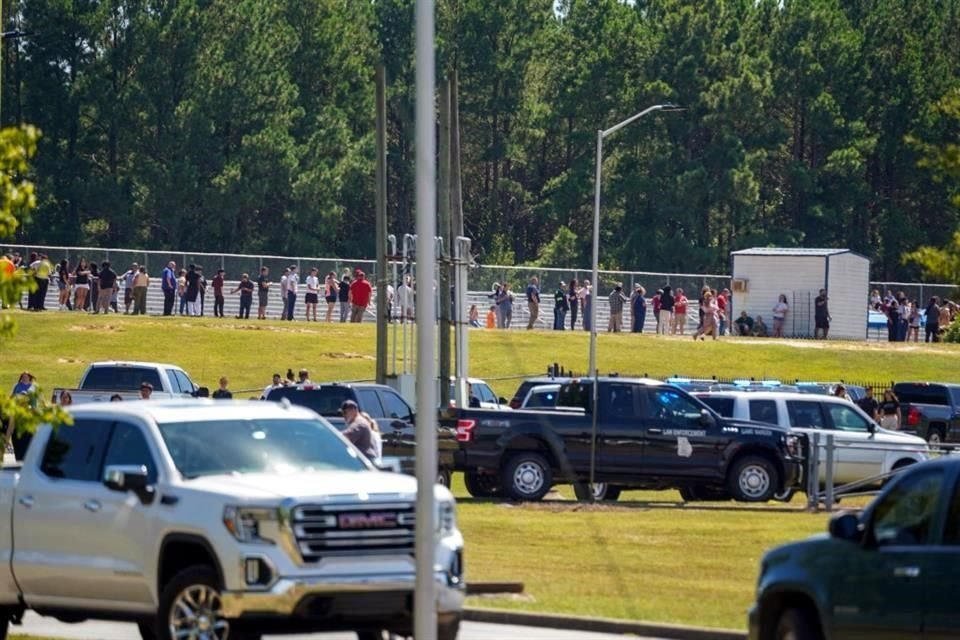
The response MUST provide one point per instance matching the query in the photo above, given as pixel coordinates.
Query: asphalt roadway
(34, 625)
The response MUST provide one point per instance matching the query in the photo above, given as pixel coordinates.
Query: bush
(952, 334)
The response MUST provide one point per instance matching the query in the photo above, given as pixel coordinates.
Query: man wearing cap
(358, 430)
(146, 390)
(360, 292)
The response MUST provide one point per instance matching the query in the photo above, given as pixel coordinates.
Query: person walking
(343, 295)
(245, 287)
(711, 318)
(573, 296)
(679, 312)
(140, 284)
(263, 292)
(821, 315)
(533, 301)
(638, 309)
(168, 284)
(616, 300)
(360, 293)
(331, 293)
(780, 311)
(560, 307)
(312, 297)
(218, 300)
(666, 311)
(932, 313)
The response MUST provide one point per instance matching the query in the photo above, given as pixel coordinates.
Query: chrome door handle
(26, 501)
(92, 505)
(654, 430)
(906, 572)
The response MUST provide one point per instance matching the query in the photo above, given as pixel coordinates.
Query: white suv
(863, 450)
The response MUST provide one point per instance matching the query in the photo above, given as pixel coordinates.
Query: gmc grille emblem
(367, 520)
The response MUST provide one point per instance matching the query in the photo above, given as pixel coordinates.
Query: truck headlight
(446, 517)
(251, 524)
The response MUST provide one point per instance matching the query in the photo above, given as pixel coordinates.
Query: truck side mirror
(846, 526)
(201, 392)
(133, 478)
(706, 419)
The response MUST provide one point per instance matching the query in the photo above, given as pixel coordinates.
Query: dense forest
(248, 125)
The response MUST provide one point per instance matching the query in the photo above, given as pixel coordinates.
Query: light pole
(592, 372)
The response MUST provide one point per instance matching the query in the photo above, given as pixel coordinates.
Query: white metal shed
(761, 274)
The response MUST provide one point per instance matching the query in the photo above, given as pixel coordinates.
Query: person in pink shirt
(679, 312)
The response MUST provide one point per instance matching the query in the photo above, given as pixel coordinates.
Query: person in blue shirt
(169, 286)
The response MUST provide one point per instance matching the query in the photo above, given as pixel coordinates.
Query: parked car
(930, 409)
(394, 417)
(856, 392)
(888, 574)
(102, 380)
(650, 435)
(517, 400)
(209, 519)
(480, 390)
(863, 448)
(698, 384)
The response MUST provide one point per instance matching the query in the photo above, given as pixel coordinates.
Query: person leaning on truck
(358, 430)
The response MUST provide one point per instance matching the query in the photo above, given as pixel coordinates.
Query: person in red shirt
(679, 312)
(722, 305)
(360, 292)
(218, 294)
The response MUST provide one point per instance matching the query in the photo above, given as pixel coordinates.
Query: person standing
(780, 311)
(821, 315)
(932, 313)
(284, 279)
(331, 293)
(616, 300)
(533, 301)
(245, 287)
(904, 324)
(108, 282)
(218, 300)
(81, 278)
(201, 288)
(869, 404)
(312, 297)
(358, 430)
(168, 284)
(360, 293)
(890, 411)
(586, 303)
(638, 309)
(41, 269)
(223, 393)
(344, 296)
(657, 297)
(723, 301)
(679, 312)
(573, 297)
(63, 284)
(94, 296)
(293, 282)
(666, 311)
(711, 320)
(140, 284)
(893, 319)
(560, 307)
(192, 290)
(128, 278)
(406, 300)
(263, 292)
(275, 383)
(505, 305)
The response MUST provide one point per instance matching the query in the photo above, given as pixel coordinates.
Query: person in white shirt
(313, 294)
(406, 299)
(292, 281)
(283, 292)
(275, 384)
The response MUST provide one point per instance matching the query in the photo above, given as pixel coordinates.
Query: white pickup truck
(214, 520)
(102, 380)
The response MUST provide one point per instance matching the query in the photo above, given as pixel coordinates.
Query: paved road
(34, 625)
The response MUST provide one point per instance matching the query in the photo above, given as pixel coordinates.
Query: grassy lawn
(633, 560)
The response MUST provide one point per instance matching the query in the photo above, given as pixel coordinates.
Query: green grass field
(632, 560)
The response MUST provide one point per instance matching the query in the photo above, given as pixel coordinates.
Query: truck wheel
(443, 478)
(796, 624)
(753, 479)
(481, 485)
(527, 476)
(603, 492)
(190, 607)
(935, 437)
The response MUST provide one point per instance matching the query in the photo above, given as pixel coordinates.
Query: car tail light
(913, 417)
(465, 430)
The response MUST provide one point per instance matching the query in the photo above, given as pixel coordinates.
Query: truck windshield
(252, 446)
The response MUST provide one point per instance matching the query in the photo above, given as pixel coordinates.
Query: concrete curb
(599, 625)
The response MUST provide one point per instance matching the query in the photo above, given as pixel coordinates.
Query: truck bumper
(344, 602)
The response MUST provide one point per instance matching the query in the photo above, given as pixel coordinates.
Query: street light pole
(595, 277)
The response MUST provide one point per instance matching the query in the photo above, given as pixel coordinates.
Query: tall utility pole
(425, 602)
(380, 230)
(456, 188)
(443, 222)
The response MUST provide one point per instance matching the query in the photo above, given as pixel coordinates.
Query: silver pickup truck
(215, 520)
(102, 380)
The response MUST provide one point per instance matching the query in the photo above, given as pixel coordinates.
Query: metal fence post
(828, 499)
(813, 473)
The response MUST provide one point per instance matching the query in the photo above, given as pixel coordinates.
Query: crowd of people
(906, 317)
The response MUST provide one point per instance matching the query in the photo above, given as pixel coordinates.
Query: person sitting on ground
(492, 317)
(358, 430)
(223, 393)
(146, 390)
(744, 324)
(759, 328)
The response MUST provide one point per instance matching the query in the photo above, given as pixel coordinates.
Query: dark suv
(930, 409)
(890, 573)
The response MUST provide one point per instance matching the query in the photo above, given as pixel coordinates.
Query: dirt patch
(68, 361)
(347, 356)
(99, 328)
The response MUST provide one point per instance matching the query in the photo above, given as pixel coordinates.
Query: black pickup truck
(394, 417)
(650, 435)
(929, 409)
